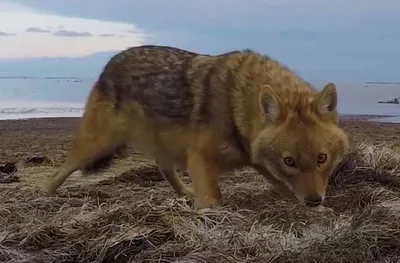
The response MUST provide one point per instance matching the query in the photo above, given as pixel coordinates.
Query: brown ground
(130, 214)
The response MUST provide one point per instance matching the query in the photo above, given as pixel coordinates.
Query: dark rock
(38, 160)
(8, 178)
(8, 168)
(8, 173)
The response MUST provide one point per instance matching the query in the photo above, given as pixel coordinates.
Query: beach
(128, 213)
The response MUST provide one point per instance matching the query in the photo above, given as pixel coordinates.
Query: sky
(322, 40)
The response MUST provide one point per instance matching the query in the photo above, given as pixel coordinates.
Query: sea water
(41, 97)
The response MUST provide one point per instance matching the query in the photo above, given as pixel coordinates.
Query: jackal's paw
(188, 191)
(46, 188)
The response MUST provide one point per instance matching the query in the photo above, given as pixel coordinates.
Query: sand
(128, 213)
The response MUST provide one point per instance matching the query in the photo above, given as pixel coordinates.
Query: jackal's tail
(106, 160)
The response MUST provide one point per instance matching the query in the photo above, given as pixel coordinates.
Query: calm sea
(33, 98)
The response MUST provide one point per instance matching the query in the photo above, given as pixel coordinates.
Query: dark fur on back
(153, 76)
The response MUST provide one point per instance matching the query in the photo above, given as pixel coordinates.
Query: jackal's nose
(313, 200)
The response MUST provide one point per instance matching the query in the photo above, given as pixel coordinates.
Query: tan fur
(248, 110)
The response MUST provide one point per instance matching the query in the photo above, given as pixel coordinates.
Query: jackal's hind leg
(171, 175)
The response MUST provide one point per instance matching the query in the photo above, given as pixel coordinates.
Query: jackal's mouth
(285, 188)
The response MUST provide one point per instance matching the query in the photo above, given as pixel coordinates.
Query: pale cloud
(70, 36)
(106, 35)
(37, 30)
(66, 33)
(5, 34)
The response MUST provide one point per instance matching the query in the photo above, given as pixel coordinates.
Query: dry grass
(136, 218)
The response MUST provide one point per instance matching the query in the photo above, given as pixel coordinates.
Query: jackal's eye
(322, 158)
(289, 161)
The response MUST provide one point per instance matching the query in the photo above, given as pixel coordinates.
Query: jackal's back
(153, 76)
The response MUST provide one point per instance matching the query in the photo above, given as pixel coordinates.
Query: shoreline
(353, 117)
(370, 118)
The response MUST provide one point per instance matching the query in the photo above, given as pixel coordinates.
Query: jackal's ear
(327, 99)
(269, 103)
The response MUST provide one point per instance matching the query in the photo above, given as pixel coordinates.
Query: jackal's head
(301, 143)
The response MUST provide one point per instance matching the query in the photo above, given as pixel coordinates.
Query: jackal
(210, 114)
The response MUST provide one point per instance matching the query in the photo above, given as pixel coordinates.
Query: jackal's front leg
(204, 170)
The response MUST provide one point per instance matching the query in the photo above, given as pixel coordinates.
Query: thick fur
(209, 115)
